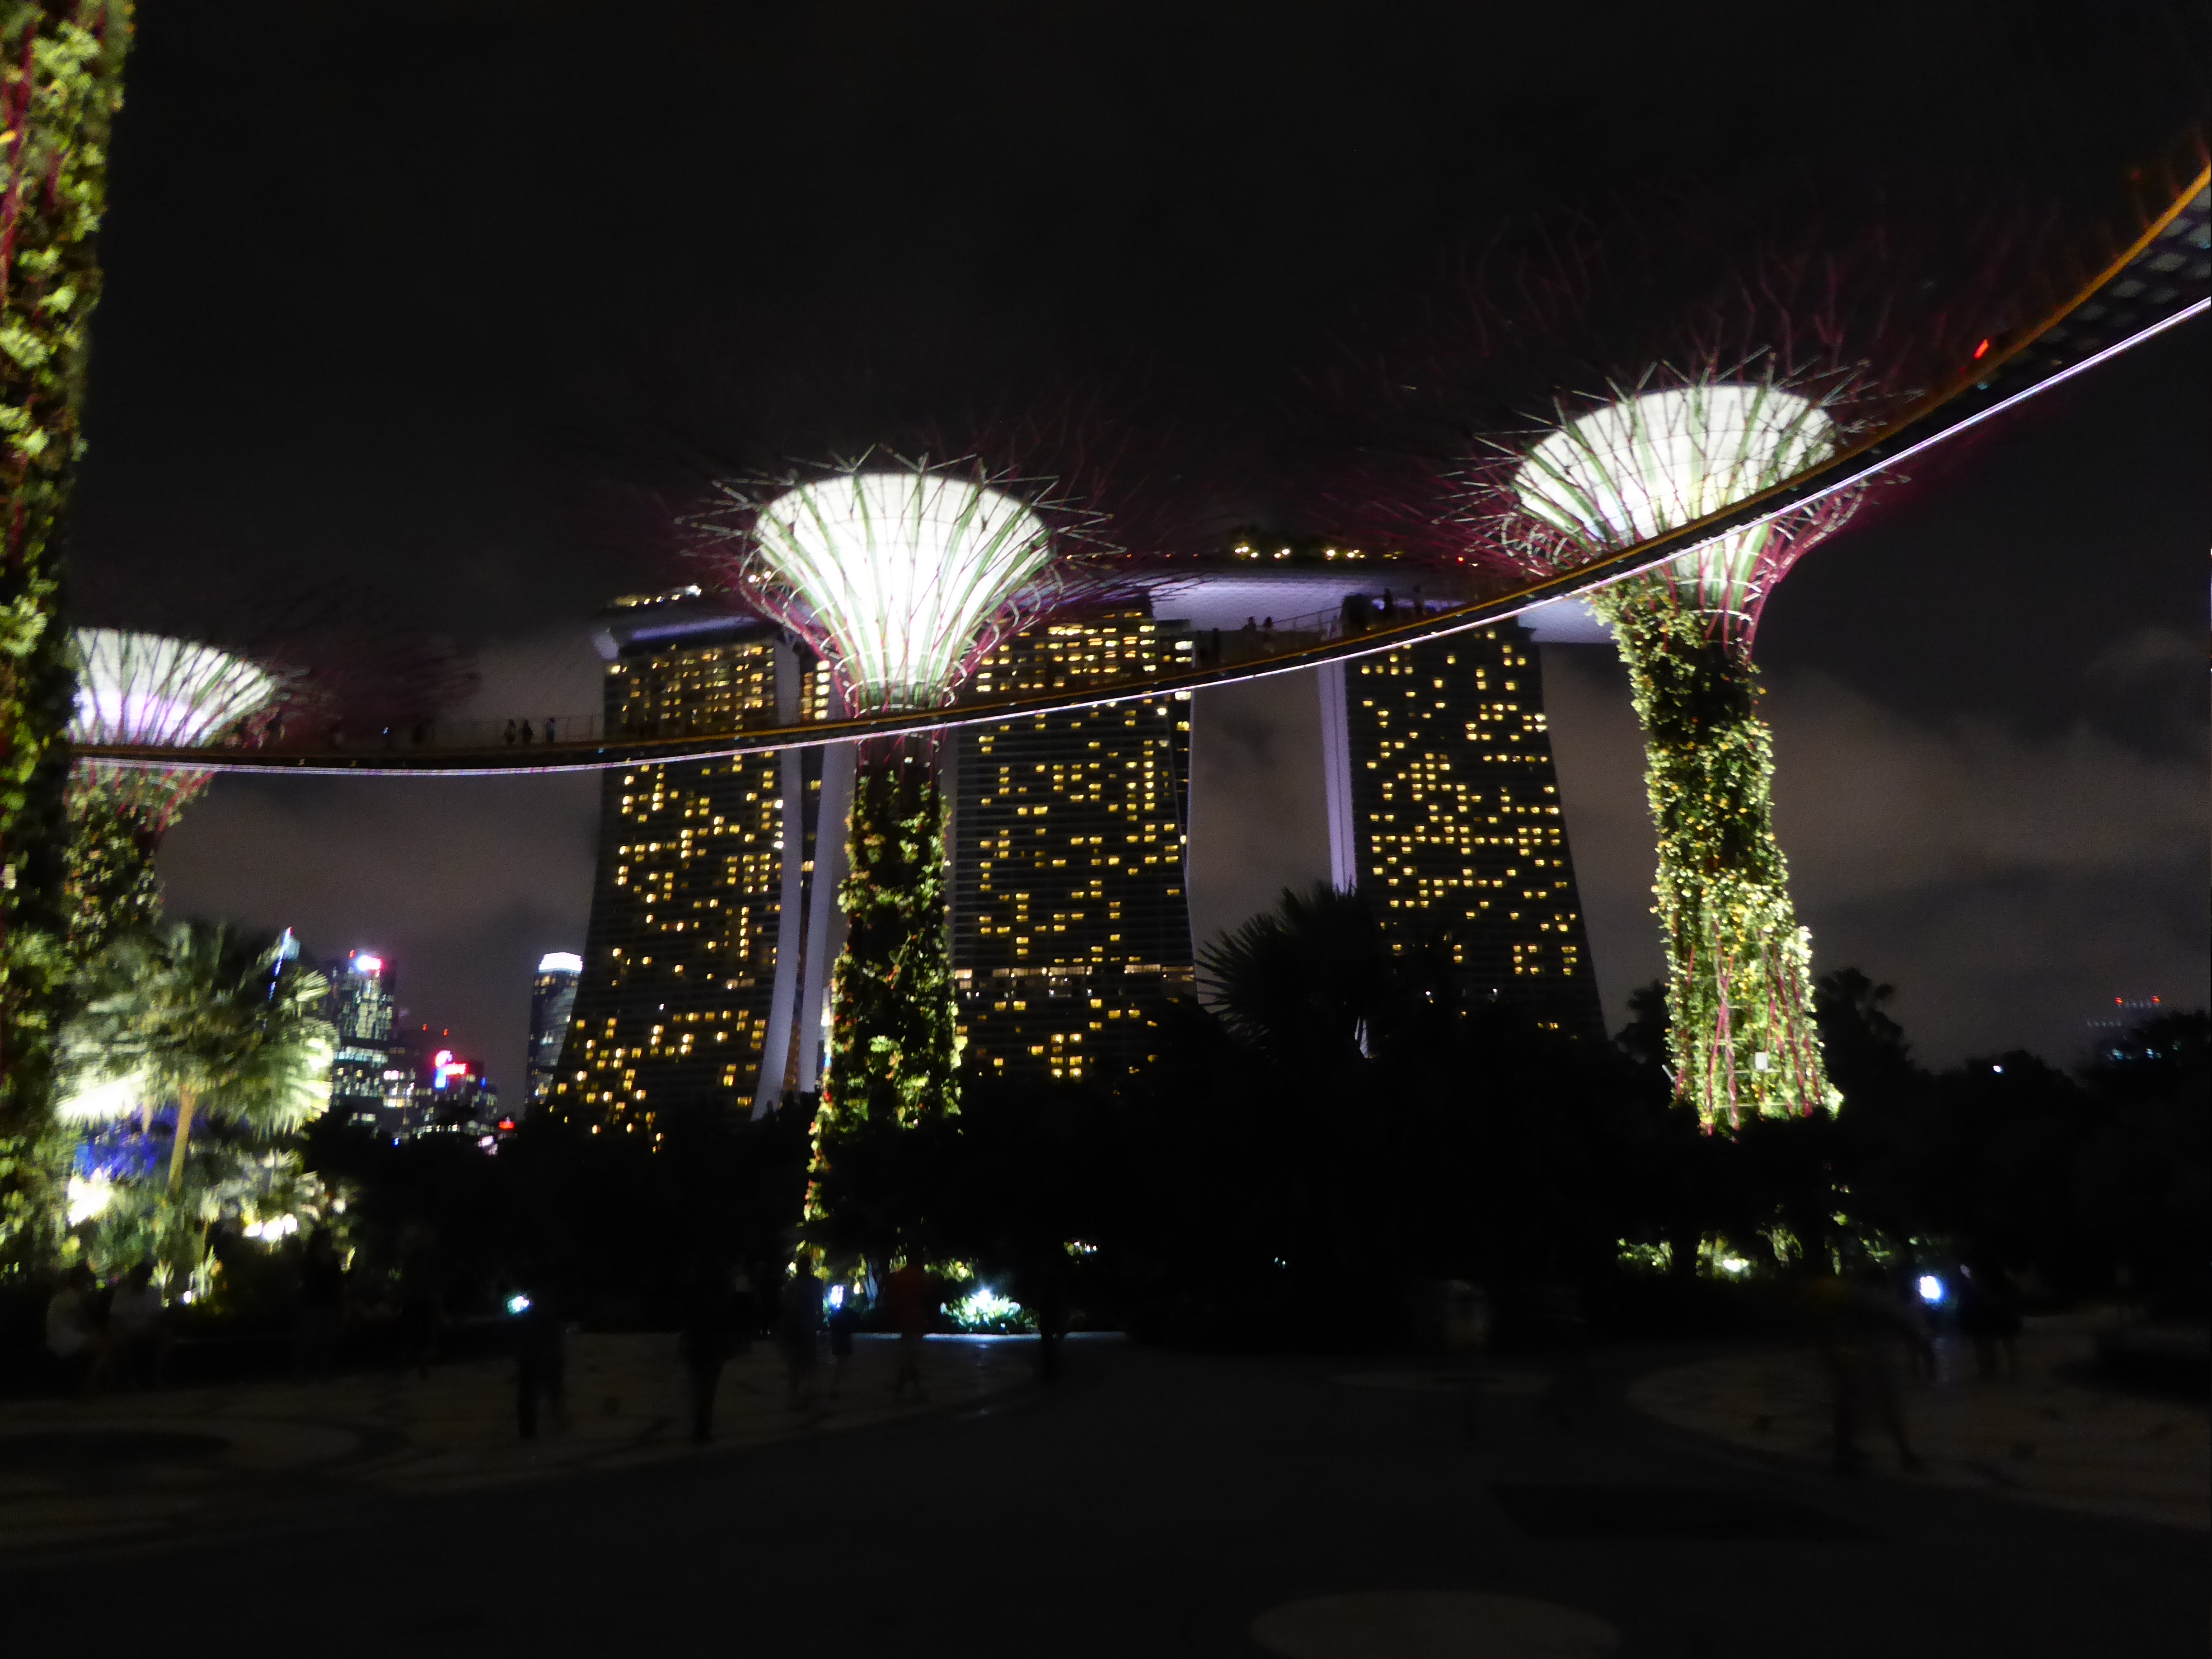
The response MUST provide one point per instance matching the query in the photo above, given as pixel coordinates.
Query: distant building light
(365, 964)
(559, 962)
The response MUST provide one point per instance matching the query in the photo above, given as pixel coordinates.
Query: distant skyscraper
(1070, 926)
(372, 1082)
(1443, 804)
(2115, 1035)
(552, 1001)
(454, 1098)
(686, 996)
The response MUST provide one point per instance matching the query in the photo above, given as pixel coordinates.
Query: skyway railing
(2038, 360)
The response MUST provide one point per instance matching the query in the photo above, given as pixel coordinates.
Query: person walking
(844, 1315)
(321, 1305)
(422, 1301)
(706, 1344)
(911, 1307)
(540, 1359)
(137, 1327)
(1859, 1326)
(75, 1345)
(798, 1321)
(1988, 1317)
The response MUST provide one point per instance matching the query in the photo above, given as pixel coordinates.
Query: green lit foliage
(61, 82)
(1741, 1040)
(894, 1052)
(115, 823)
(213, 1021)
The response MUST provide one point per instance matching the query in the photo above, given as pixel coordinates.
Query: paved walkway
(2044, 1436)
(144, 1467)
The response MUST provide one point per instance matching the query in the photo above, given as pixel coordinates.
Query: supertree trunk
(1739, 992)
(117, 819)
(61, 83)
(894, 1054)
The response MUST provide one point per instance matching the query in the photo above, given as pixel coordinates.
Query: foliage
(893, 1052)
(237, 1186)
(61, 80)
(1743, 1037)
(618, 1223)
(115, 823)
(214, 1021)
(1354, 1122)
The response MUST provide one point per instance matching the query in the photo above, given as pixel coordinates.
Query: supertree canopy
(902, 576)
(1643, 464)
(1653, 461)
(144, 689)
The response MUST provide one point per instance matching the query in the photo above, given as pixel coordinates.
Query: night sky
(440, 309)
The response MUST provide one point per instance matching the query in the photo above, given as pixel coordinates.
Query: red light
(507, 1123)
(1981, 352)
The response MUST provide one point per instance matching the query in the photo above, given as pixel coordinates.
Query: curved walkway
(2049, 1436)
(132, 1468)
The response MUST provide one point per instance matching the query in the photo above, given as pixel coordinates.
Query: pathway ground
(2051, 1435)
(137, 1467)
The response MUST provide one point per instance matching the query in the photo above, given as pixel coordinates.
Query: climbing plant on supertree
(61, 84)
(1649, 460)
(901, 575)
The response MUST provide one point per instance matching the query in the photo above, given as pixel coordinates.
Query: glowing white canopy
(1653, 462)
(902, 570)
(143, 688)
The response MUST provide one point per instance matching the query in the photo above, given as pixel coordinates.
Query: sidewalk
(2045, 1438)
(143, 1466)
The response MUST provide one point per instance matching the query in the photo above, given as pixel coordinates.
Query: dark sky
(431, 307)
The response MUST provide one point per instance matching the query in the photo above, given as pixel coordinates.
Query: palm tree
(1305, 983)
(195, 1012)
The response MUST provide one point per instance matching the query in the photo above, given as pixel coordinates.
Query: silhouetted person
(1859, 1324)
(510, 734)
(912, 1306)
(1988, 1317)
(525, 731)
(1913, 1318)
(706, 1344)
(540, 1358)
(744, 1312)
(843, 1316)
(76, 1348)
(422, 1303)
(322, 1303)
(549, 728)
(138, 1328)
(797, 1320)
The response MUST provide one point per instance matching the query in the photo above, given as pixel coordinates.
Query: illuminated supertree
(900, 575)
(1671, 373)
(144, 689)
(1648, 461)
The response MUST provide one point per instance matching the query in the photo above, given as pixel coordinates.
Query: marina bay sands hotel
(714, 919)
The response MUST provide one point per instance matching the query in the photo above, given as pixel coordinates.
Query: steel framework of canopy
(2123, 298)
